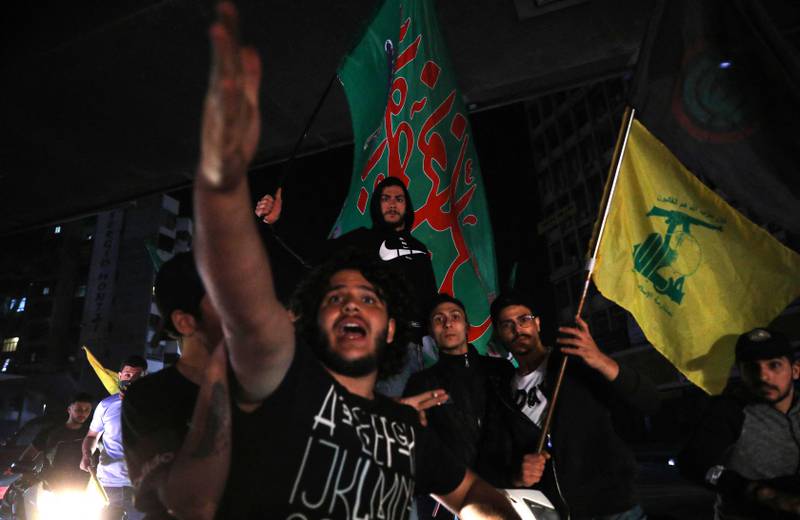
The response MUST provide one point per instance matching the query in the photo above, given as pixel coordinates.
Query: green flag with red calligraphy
(409, 122)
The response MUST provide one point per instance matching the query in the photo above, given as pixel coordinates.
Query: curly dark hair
(308, 296)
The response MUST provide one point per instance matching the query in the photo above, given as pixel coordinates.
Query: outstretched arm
(230, 256)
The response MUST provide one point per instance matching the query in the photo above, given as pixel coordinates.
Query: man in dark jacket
(591, 470)
(747, 446)
(470, 418)
(389, 240)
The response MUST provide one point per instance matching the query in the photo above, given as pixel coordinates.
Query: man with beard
(166, 415)
(476, 387)
(747, 446)
(311, 438)
(61, 446)
(112, 472)
(591, 471)
(390, 241)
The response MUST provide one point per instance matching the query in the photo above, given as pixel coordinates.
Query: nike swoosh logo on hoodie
(387, 254)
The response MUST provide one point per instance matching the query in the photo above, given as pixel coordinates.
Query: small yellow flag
(108, 377)
(692, 270)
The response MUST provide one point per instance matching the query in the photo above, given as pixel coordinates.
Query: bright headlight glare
(68, 505)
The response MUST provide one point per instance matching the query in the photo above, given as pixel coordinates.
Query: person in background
(112, 473)
(163, 419)
(747, 445)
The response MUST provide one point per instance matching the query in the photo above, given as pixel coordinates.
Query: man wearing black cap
(747, 446)
(390, 241)
(160, 433)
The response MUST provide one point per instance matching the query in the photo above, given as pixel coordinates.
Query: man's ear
(796, 370)
(390, 330)
(538, 323)
(185, 324)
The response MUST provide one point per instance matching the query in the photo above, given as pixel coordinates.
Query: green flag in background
(409, 122)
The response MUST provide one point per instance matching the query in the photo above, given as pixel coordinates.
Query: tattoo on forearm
(215, 435)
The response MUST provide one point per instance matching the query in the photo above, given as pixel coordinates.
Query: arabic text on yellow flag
(693, 271)
(108, 377)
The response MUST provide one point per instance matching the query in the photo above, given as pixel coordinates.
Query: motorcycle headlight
(68, 505)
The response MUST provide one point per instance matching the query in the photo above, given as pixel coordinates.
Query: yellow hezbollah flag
(108, 377)
(693, 271)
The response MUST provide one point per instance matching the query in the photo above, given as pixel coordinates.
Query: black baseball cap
(762, 343)
(177, 287)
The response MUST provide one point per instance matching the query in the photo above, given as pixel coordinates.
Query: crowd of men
(322, 408)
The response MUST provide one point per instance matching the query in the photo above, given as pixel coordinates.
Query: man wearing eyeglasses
(468, 419)
(591, 471)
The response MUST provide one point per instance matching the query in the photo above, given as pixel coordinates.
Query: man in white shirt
(112, 472)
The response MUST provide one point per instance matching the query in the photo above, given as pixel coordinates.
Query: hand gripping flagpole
(608, 197)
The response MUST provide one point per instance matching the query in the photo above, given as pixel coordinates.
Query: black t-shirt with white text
(312, 450)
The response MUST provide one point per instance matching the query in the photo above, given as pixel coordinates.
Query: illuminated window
(21, 306)
(57, 230)
(45, 291)
(10, 344)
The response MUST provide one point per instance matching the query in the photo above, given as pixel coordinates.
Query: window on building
(45, 291)
(57, 230)
(10, 344)
(80, 291)
(21, 305)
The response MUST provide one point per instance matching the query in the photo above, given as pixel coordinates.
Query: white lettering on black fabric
(369, 477)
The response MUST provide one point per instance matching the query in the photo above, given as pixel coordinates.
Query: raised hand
(269, 207)
(579, 342)
(231, 119)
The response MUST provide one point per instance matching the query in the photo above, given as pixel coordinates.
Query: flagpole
(290, 162)
(611, 186)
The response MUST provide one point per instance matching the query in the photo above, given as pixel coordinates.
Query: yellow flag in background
(108, 377)
(693, 271)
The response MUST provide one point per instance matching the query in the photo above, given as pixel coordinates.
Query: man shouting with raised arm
(317, 441)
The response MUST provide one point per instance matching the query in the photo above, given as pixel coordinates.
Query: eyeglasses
(523, 321)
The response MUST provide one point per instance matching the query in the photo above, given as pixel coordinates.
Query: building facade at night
(86, 282)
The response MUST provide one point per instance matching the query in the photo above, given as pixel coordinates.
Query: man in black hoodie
(390, 240)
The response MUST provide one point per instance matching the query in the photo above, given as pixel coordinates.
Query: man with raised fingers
(311, 438)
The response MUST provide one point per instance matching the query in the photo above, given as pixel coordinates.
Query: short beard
(776, 400)
(351, 368)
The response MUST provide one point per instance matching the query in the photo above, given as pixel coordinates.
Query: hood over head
(375, 204)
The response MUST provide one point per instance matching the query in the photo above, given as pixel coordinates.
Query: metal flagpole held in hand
(608, 196)
(290, 167)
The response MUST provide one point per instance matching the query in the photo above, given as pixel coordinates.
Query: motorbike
(36, 495)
